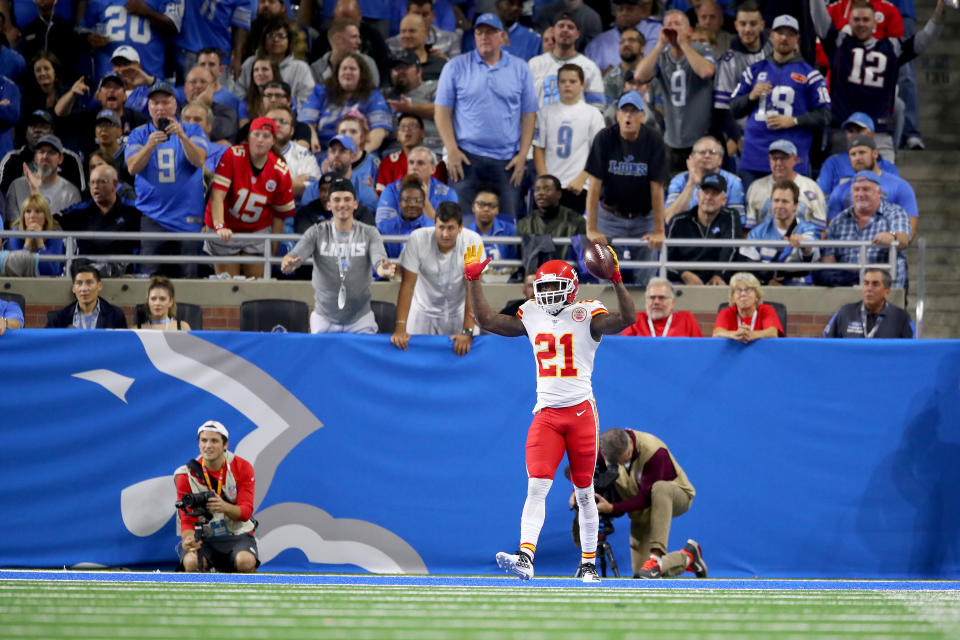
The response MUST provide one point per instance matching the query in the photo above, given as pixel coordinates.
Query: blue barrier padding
(811, 458)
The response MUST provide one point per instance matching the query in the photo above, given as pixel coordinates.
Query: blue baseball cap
(860, 119)
(866, 175)
(346, 141)
(161, 87)
(631, 97)
(489, 19)
(783, 146)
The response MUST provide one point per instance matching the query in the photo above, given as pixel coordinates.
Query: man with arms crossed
(565, 334)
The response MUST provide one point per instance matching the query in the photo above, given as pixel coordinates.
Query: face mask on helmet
(555, 286)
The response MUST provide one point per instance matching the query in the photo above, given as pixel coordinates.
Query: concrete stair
(935, 177)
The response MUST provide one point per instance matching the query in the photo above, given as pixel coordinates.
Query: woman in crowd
(276, 44)
(161, 308)
(350, 87)
(748, 317)
(42, 87)
(262, 71)
(35, 215)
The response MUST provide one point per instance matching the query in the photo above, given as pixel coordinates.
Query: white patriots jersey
(563, 349)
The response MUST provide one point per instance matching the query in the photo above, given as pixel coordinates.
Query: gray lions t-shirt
(355, 252)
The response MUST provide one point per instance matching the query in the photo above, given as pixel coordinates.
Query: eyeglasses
(281, 121)
(485, 205)
(413, 126)
(707, 152)
(741, 291)
(280, 35)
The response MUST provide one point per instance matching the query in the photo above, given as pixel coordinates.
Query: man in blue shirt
(223, 25)
(486, 108)
(11, 316)
(863, 156)
(837, 168)
(144, 25)
(412, 201)
(421, 163)
(869, 218)
(489, 222)
(167, 159)
(524, 42)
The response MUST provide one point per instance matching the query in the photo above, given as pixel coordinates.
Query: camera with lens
(195, 505)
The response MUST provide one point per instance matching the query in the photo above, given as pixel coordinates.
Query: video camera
(195, 505)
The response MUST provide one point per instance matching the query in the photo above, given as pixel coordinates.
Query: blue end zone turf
(468, 581)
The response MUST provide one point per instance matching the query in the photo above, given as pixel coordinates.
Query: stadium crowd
(578, 119)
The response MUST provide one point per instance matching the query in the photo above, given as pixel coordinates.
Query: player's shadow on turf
(908, 517)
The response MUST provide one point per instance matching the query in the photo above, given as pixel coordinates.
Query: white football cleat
(519, 564)
(588, 573)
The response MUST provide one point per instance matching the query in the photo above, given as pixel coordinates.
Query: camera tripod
(604, 550)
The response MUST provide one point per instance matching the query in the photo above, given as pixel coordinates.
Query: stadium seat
(15, 297)
(386, 315)
(779, 307)
(192, 314)
(266, 315)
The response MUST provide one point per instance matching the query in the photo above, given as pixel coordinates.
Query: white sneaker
(519, 564)
(915, 143)
(588, 573)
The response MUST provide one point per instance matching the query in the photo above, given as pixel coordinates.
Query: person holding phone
(166, 157)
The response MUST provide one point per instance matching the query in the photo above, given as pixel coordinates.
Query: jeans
(491, 171)
(613, 226)
(167, 248)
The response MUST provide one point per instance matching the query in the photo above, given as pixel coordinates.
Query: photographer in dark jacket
(226, 541)
(709, 220)
(653, 489)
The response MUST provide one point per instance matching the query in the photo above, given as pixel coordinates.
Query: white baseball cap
(125, 52)
(213, 425)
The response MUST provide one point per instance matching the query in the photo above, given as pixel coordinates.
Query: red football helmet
(553, 300)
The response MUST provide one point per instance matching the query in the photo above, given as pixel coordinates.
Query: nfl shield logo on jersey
(271, 185)
(579, 314)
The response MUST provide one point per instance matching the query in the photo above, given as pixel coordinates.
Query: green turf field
(92, 610)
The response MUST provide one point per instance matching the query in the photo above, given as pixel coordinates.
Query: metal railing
(661, 264)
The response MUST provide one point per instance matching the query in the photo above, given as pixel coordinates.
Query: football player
(565, 333)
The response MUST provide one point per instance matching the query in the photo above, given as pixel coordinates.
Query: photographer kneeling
(653, 489)
(215, 502)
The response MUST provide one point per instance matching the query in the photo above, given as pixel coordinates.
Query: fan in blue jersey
(864, 69)
(837, 168)
(220, 24)
(142, 24)
(167, 159)
(786, 99)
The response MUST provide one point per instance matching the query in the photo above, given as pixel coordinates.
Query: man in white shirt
(563, 135)
(433, 293)
(546, 66)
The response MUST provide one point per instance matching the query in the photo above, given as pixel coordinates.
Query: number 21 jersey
(564, 350)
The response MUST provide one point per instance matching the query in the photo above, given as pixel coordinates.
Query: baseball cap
(346, 141)
(110, 116)
(489, 19)
(631, 97)
(125, 52)
(860, 119)
(265, 124)
(40, 116)
(783, 146)
(161, 87)
(51, 140)
(213, 425)
(866, 175)
(564, 15)
(341, 184)
(405, 59)
(786, 20)
(714, 181)
(111, 77)
(862, 140)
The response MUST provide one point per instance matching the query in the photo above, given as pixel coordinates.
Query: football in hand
(599, 261)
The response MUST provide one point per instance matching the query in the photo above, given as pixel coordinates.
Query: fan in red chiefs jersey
(252, 191)
(565, 333)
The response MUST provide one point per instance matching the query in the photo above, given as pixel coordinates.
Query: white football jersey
(563, 349)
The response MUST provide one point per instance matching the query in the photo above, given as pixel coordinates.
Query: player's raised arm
(610, 323)
(499, 323)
